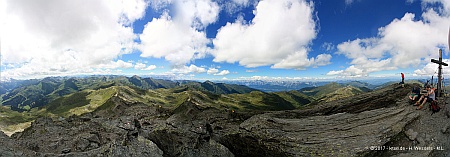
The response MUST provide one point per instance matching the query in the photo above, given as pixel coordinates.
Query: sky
(224, 39)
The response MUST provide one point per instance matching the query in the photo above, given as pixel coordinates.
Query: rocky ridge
(354, 126)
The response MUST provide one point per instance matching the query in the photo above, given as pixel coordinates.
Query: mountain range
(26, 100)
(23, 95)
(113, 116)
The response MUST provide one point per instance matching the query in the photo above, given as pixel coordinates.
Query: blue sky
(218, 39)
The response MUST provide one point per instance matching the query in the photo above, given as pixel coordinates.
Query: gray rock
(346, 134)
(421, 141)
(66, 150)
(445, 129)
(82, 144)
(411, 134)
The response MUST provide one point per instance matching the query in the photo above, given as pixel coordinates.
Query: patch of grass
(64, 104)
(11, 129)
(10, 117)
(96, 98)
(106, 106)
(296, 98)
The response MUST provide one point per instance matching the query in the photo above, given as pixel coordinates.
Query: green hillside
(341, 93)
(220, 88)
(321, 91)
(48, 89)
(296, 98)
(334, 91)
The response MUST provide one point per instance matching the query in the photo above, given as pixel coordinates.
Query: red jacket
(403, 75)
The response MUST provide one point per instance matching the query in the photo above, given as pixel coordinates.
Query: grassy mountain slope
(321, 91)
(296, 98)
(220, 88)
(48, 89)
(334, 91)
(341, 93)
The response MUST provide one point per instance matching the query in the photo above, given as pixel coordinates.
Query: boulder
(411, 134)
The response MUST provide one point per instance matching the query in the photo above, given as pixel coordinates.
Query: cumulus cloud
(142, 66)
(222, 73)
(180, 39)
(188, 69)
(432, 68)
(300, 61)
(335, 72)
(403, 43)
(52, 37)
(212, 71)
(139, 66)
(150, 67)
(278, 35)
(116, 64)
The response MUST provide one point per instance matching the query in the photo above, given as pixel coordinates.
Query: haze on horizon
(220, 39)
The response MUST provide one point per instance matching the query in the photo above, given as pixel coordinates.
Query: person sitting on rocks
(415, 93)
(428, 97)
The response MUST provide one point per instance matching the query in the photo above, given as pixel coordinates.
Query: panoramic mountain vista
(224, 78)
(198, 119)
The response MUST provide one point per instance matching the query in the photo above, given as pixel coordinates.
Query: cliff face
(368, 124)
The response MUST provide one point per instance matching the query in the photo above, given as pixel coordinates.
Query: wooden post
(439, 83)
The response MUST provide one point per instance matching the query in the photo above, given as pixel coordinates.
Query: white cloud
(234, 6)
(197, 14)
(300, 61)
(351, 71)
(431, 69)
(180, 39)
(280, 29)
(188, 69)
(328, 46)
(159, 4)
(222, 73)
(333, 72)
(241, 2)
(133, 9)
(150, 67)
(139, 66)
(115, 65)
(322, 60)
(403, 43)
(142, 66)
(51, 37)
(212, 71)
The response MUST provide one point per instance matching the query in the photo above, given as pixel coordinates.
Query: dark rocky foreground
(371, 124)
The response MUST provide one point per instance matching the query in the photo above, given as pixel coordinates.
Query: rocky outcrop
(344, 134)
(358, 126)
(380, 123)
(85, 136)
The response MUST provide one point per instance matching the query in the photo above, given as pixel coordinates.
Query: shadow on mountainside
(369, 124)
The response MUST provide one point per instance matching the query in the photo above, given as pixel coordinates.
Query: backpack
(434, 107)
